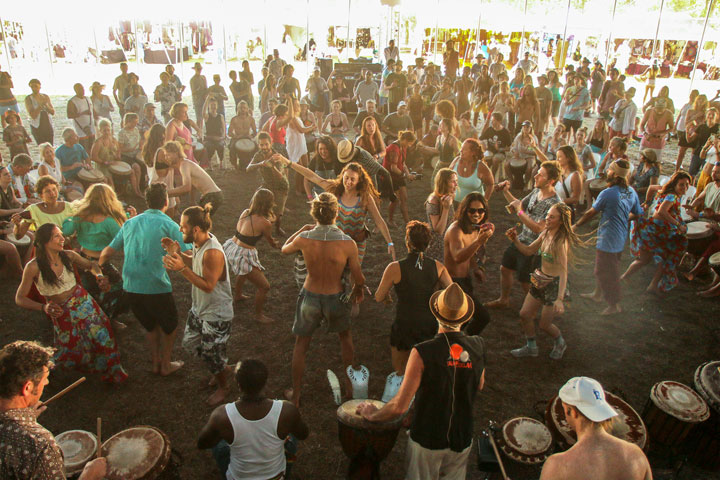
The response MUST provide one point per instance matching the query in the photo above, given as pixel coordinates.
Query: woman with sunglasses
(465, 251)
(647, 172)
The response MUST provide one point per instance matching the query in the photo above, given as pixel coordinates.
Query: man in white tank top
(209, 320)
(249, 437)
(80, 111)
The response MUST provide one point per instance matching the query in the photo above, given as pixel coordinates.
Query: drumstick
(64, 391)
(497, 455)
(99, 437)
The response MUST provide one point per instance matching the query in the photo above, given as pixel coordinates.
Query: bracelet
(182, 269)
(520, 212)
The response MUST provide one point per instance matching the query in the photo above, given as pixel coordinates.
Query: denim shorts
(315, 309)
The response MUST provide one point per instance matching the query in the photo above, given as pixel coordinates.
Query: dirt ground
(657, 338)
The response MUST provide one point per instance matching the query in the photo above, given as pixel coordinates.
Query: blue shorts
(4, 108)
(315, 309)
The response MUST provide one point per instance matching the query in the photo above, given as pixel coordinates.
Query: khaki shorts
(423, 463)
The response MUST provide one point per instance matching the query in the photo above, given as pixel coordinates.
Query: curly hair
(43, 183)
(22, 361)
(365, 187)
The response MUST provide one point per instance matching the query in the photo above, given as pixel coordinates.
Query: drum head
(434, 161)
(526, 440)
(93, 175)
(20, 242)
(597, 184)
(518, 163)
(78, 447)
(714, 259)
(136, 452)
(680, 401)
(346, 415)
(707, 382)
(120, 168)
(628, 425)
(699, 229)
(245, 145)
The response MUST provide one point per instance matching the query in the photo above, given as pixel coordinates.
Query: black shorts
(154, 310)
(574, 124)
(683, 141)
(398, 181)
(514, 260)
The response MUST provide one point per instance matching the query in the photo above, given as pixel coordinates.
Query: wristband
(182, 269)
(701, 214)
(520, 212)
(391, 244)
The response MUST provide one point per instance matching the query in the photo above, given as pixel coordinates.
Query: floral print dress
(663, 240)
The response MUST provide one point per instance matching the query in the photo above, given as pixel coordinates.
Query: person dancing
(255, 223)
(554, 244)
(83, 336)
(415, 278)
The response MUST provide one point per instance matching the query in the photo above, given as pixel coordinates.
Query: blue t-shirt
(68, 156)
(616, 205)
(575, 100)
(143, 270)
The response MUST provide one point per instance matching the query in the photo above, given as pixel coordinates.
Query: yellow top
(40, 218)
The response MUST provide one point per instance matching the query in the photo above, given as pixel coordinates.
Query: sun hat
(588, 396)
(452, 306)
(345, 151)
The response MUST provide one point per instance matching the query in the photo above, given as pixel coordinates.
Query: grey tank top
(219, 302)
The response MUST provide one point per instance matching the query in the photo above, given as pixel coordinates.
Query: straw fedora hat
(345, 151)
(452, 307)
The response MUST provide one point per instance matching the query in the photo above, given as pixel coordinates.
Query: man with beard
(370, 110)
(271, 165)
(618, 204)
(396, 122)
(465, 241)
(210, 317)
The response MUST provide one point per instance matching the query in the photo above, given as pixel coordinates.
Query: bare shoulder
(551, 469)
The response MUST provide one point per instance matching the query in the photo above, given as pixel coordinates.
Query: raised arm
(310, 175)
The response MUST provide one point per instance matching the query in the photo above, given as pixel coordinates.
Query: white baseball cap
(588, 396)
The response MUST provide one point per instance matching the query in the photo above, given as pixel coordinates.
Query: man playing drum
(209, 320)
(248, 436)
(327, 250)
(27, 449)
(444, 375)
(597, 455)
(618, 204)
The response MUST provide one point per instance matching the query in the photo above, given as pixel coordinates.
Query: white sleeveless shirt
(256, 452)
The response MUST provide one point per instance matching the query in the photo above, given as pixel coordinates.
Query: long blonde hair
(565, 237)
(100, 199)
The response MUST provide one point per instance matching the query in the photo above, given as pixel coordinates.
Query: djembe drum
(705, 441)
(88, 177)
(671, 413)
(138, 453)
(517, 173)
(365, 443)
(596, 185)
(699, 235)
(245, 148)
(78, 448)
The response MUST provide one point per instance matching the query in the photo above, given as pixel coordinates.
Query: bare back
(325, 261)
(600, 457)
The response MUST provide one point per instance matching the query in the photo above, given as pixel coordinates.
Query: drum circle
(78, 448)
(704, 446)
(138, 453)
(671, 413)
(525, 440)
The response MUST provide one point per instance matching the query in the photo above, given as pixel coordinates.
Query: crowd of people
(472, 129)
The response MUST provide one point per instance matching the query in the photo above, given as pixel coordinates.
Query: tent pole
(224, 47)
(702, 40)
(347, 37)
(5, 42)
(137, 42)
(522, 36)
(609, 40)
(180, 54)
(657, 29)
(97, 52)
(50, 50)
(563, 47)
(436, 37)
(307, 40)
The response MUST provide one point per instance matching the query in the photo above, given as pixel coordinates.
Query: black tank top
(414, 290)
(213, 126)
(597, 142)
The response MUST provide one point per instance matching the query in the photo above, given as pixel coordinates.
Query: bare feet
(612, 310)
(242, 298)
(172, 368)
(497, 303)
(118, 326)
(218, 396)
(264, 319)
(592, 296)
(689, 276)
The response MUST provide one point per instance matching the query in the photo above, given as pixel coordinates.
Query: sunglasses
(472, 211)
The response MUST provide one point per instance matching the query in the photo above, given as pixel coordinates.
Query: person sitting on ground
(327, 252)
(148, 120)
(396, 122)
(416, 278)
(105, 151)
(249, 437)
(214, 138)
(336, 122)
(254, 224)
(25, 192)
(28, 450)
(597, 455)
(129, 140)
(370, 110)
(9, 206)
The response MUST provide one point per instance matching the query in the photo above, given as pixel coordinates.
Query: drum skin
(628, 425)
(705, 442)
(18, 242)
(120, 168)
(714, 262)
(525, 440)
(596, 186)
(78, 447)
(699, 234)
(671, 413)
(138, 453)
(358, 437)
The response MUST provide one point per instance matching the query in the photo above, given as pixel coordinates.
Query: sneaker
(558, 351)
(525, 351)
